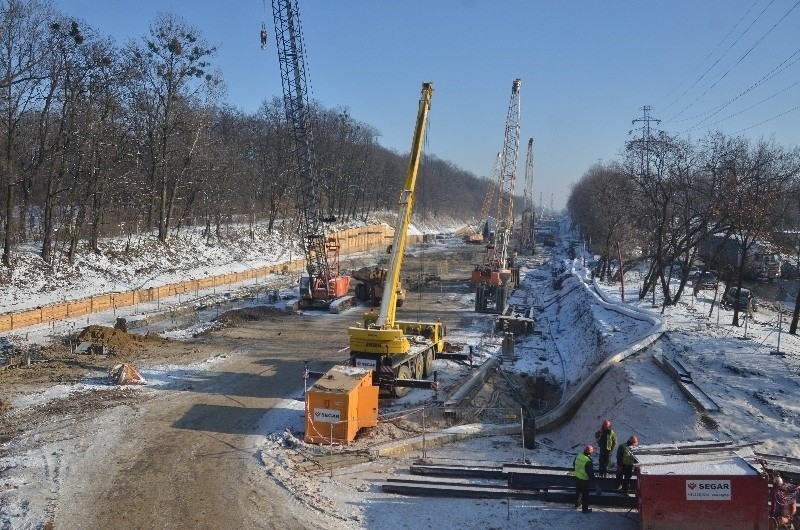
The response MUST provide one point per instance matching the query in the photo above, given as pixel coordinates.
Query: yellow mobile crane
(400, 354)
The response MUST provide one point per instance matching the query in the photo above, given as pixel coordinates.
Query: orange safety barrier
(351, 240)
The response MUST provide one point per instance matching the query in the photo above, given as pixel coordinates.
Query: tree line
(666, 198)
(98, 136)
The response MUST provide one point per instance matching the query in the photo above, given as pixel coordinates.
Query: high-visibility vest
(611, 439)
(580, 466)
(627, 455)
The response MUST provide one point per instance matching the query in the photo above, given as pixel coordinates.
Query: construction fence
(353, 240)
(434, 421)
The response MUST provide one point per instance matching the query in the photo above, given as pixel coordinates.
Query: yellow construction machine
(400, 354)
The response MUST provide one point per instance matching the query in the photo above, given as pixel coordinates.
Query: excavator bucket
(125, 374)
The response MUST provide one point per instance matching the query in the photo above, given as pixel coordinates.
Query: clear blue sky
(587, 69)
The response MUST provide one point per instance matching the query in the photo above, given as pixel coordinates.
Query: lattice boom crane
(508, 175)
(492, 280)
(528, 217)
(323, 284)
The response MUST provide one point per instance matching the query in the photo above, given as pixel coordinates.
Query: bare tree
(656, 185)
(58, 129)
(174, 75)
(599, 206)
(23, 66)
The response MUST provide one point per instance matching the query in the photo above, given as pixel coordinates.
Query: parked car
(740, 298)
(707, 280)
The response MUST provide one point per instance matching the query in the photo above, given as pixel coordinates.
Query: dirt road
(186, 454)
(187, 457)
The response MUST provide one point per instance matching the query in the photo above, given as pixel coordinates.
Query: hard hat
(607, 424)
(633, 440)
(778, 481)
(588, 449)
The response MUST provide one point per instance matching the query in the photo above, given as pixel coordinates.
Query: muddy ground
(186, 454)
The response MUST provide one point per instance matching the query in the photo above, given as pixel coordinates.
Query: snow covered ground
(757, 390)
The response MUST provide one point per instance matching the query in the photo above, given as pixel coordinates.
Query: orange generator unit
(700, 491)
(340, 403)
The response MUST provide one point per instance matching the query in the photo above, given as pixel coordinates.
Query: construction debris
(125, 374)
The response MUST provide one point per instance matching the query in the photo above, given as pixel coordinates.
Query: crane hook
(263, 36)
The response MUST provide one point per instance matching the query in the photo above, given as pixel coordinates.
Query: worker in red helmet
(584, 475)
(625, 463)
(783, 500)
(606, 442)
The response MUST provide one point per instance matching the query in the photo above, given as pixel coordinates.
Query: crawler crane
(527, 241)
(399, 354)
(498, 274)
(481, 231)
(323, 286)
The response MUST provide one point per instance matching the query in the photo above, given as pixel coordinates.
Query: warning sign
(327, 415)
(708, 490)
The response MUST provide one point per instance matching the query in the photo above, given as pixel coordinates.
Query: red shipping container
(701, 491)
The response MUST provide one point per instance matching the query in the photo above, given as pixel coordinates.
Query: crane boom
(491, 280)
(528, 217)
(477, 231)
(487, 200)
(323, 283)
(406, 202)
(508, 177)
(399, 353)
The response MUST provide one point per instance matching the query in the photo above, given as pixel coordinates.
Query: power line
(724, 53)
(742, 57)
(767, 120)
(744, 110)
(772, 73)
(783, 66)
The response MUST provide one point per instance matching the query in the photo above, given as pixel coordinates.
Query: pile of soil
(252, 314)
(116, 339)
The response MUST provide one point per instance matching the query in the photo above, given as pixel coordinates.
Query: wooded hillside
(101, 139)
